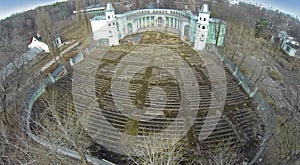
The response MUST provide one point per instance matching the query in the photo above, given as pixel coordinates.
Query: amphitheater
(104, 106)
(155, 94)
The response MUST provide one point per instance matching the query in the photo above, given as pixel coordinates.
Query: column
(173, 23)
(140, 23)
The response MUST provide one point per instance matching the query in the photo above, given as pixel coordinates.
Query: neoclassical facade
(197, 30)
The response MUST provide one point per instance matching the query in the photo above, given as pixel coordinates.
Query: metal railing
(34, 94)
(263, 106)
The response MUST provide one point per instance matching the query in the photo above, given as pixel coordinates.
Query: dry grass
(151, 37)
(275, 75)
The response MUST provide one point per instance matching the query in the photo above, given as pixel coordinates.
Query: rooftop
(204, 8)
(292, 43)
(97, 18)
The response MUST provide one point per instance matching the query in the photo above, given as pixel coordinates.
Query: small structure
(36, 42)
(291, 47)
(93, 10)
(57, 41)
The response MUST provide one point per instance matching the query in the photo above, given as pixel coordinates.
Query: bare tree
(11, 76)
(223, 155)
(293, 97)
(192, 5)
(60, 125)
(285, 146)
(4, 92)
(17, 148)
(161, 148)
(293, 63)
(45, 29)
(82, 18)
(241, 62)
(261, 75)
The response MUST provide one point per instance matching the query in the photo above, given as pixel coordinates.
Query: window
(109, 24)
(203, 27)
(113, 23)
(200, 18)
(204, 19)
(202, 37)
(199, 26)
(108, 17)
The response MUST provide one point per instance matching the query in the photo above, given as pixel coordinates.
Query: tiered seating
(247, 121)
(107, 123)
(63, 85)
(222, 131)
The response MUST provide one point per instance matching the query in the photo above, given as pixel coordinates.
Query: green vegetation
(132, 127)
(261, 27)
(141, 95)
(57, 4)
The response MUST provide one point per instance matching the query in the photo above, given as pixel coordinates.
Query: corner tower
(111, 24)
(202, 28)
(110, 12)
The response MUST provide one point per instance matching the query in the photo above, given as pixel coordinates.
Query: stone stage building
(197, 30)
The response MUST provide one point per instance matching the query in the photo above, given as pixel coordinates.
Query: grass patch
(151, 37)
(141, 95)
(268, 98)
(275, 75)
(132, 127)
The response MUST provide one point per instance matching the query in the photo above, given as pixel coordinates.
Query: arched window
(159, 21)
(203, 27)
(186, 30)
(129, 27)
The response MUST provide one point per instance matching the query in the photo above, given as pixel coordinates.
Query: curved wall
(165, 19)
(187, 26)
(197, 30)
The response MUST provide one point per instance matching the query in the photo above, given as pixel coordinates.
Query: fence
(263, 107)
(35, 93)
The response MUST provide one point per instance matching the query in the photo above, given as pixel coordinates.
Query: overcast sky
(8, 7)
